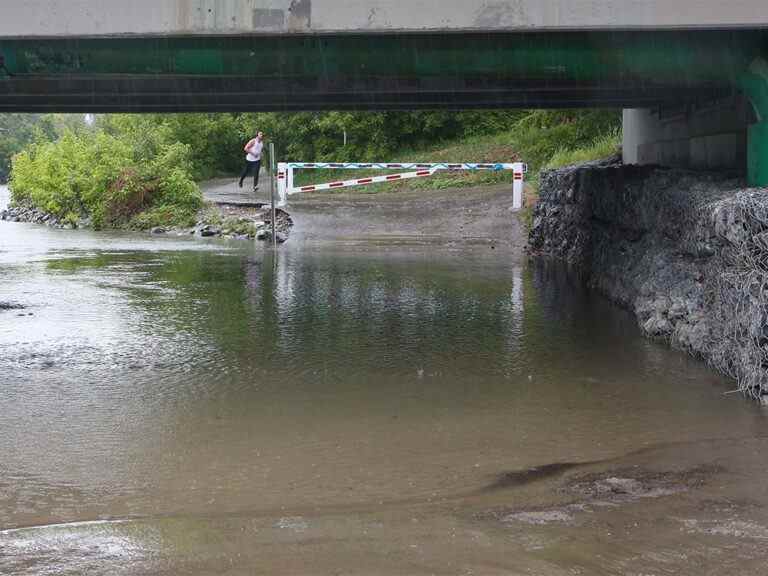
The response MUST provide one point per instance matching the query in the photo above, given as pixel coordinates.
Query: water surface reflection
(204, 403)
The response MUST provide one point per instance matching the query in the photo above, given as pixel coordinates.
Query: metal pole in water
(272, 190)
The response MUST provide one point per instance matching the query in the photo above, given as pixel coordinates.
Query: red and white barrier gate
(285, 170)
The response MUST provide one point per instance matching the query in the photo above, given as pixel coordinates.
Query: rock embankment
(686, 251)
(28, 213)
(238, 222)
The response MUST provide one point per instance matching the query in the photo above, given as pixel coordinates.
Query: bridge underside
(681, 69)
(407, 71)
(208, 94)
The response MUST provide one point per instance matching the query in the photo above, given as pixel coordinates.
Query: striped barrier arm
(420, 170)
(365, 181)
(405, 166)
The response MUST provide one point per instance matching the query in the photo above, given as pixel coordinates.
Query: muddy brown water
(177, 406)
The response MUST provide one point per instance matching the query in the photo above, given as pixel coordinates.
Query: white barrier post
(518, 186)
(289, 179)
(282, 183)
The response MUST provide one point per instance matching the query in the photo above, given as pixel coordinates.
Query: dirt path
(481, 215)
(227, 190)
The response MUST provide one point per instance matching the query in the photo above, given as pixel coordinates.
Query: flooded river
(174, 406)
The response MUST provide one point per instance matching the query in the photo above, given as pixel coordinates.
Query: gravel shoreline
(235, 222)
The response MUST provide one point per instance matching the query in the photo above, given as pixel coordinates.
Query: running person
(253, 159)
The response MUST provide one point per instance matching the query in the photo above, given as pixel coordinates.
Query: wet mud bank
(687, 252)
(479, 216)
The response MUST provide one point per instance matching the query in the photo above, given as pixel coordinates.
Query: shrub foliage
(112, 175)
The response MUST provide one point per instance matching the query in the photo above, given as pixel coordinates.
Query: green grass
(542, 139)
(165, 215)
(602, 146)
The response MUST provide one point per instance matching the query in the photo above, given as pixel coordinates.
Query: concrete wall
(703, 137)
(25, 18)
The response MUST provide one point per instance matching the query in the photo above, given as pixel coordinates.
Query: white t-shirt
(255, 152)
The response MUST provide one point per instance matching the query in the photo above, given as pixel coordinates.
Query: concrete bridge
(692, 74)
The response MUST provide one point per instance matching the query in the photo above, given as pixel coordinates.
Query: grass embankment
(542, 139)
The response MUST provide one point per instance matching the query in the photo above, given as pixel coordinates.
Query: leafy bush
(164, 215)
(16, 132)
(110, 176)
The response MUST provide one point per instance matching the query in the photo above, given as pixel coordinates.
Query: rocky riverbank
(231, 221)
(686, 252)
(32, 215)
(237, 222)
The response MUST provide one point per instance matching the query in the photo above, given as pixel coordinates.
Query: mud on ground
(479, 215)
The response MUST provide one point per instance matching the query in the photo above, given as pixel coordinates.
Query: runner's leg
(246, 170)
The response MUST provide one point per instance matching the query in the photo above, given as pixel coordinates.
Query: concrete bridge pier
(728, 133)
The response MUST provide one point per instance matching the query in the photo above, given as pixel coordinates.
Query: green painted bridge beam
(755, 85)
(385, 71)
(680, 57)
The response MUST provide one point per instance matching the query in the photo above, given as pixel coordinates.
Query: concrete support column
(701, 136)
(637, 130)
(755, 86)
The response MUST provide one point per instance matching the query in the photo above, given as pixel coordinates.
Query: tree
(16, 132)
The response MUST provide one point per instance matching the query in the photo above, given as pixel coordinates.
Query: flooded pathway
(175, 406)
